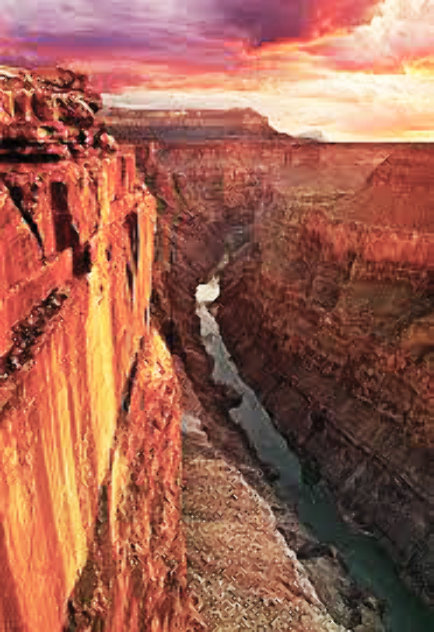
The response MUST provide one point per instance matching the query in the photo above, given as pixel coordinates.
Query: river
(367, 562)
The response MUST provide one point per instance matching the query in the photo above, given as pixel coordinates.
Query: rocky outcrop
(329, 317)
(48, 116)
(134, 577)
(89, 408)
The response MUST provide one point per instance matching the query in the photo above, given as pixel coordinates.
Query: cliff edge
(89, 407)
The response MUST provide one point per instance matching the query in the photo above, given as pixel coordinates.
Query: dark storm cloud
(146, 20)
(168, 31)
(265, 21)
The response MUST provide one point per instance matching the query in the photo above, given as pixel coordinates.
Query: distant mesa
(188, 124)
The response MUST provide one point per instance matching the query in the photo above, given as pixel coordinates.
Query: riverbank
(348, 604)
(241, 572)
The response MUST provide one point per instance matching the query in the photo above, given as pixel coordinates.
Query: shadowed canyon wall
(330, 317)
(89, 407)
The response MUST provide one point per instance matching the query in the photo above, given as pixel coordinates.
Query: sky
(348, 69)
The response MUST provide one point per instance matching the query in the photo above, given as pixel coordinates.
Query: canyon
(326, 307)
(340, 307)
(131, 498)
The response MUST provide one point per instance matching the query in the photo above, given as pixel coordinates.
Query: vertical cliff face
(89, 421)
(134, 575)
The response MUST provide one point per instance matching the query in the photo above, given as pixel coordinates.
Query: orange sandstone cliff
(89, 407)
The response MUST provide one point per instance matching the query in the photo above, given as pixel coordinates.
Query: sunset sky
(352, 69)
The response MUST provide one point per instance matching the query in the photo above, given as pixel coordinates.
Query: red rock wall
(134, 575)
(331, 323)
(377, 245)
(81, 418)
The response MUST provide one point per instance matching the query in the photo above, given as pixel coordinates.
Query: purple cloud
(144, 20)
(193, 31)
(268, 21)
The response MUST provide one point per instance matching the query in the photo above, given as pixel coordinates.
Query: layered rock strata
(329, 318)
(132, 125)
(329, 278)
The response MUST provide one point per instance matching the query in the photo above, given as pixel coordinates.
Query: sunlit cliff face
(354, 70)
